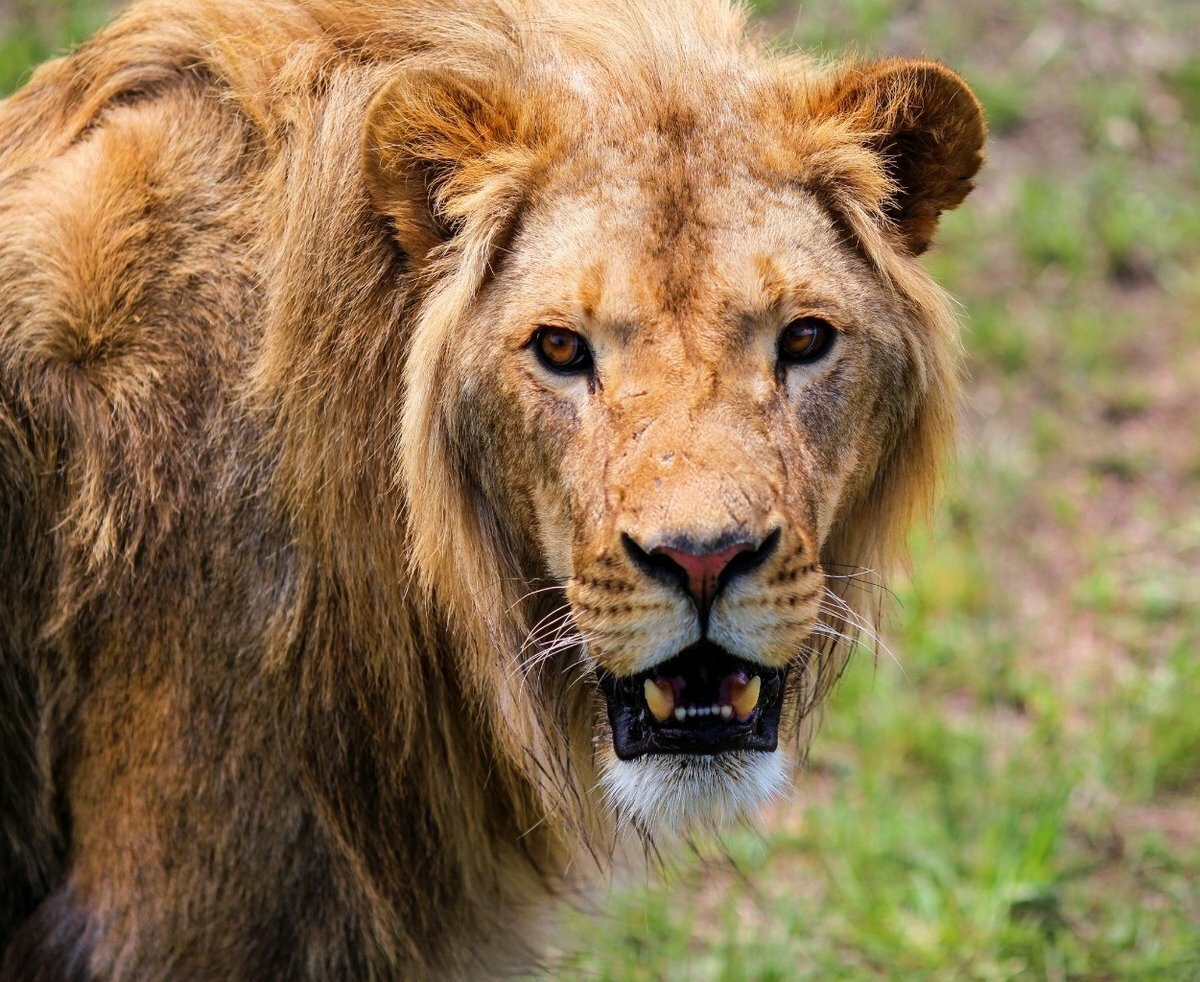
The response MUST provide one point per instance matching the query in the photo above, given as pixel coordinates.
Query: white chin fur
(660, 792)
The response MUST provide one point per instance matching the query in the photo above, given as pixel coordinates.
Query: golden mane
(218, 474)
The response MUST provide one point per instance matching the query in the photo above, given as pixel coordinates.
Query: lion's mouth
(702, 701)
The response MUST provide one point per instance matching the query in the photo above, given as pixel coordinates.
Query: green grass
(1023, 799)
(33, 30)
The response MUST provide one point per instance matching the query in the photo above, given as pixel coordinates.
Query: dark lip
(636, 732)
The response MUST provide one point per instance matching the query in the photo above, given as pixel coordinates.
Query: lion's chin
(670, 792)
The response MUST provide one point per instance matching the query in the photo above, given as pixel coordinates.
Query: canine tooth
(726, 712)
(660, 698)
(680, 713)
(745, 701)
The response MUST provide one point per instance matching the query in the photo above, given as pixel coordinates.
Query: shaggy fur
(306, 563)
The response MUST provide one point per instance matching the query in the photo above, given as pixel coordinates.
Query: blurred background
(1016, 793)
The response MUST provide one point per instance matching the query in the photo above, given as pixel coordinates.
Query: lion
(441, 449)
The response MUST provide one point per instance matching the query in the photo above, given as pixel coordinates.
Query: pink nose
(703, 570)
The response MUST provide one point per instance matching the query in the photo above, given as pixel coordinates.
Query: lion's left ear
(441, 151)
(926, 123)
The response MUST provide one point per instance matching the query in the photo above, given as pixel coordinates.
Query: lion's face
(679, 422)
(681, 373)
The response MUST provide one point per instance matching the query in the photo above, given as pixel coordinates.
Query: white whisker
(533, 593)
(843, 612)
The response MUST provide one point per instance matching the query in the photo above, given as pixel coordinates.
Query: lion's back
(179, 198)
(126, 291)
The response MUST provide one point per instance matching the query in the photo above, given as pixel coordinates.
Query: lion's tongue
(737, 696)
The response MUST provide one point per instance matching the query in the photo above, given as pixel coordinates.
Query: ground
(1013, 791)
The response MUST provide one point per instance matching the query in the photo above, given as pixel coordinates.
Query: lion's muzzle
(702, 571)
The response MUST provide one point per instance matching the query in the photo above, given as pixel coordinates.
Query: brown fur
(279, 478)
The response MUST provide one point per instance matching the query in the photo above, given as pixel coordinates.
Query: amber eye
(805, 340)
(562, 350)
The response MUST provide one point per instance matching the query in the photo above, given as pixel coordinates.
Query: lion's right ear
(442, 151)
(925, 125)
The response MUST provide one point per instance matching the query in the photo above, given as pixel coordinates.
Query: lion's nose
(702, 571)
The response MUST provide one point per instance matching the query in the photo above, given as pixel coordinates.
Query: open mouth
(702, 701)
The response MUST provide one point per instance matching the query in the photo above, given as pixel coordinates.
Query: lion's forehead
(708, 251)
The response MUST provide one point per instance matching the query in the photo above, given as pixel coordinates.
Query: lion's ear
(928, 126)
(441, 150)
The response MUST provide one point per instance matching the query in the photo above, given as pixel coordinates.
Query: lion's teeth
(745, 700)
(660, 697)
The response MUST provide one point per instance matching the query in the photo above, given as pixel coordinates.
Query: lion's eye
(805, 340)
(562, 350)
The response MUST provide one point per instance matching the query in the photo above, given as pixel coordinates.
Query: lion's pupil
(560, 347)
(805, 340)
(801, 340)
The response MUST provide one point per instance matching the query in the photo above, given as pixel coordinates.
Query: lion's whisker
(558, 645)
(860, 575)
(551, 622)
(845, 613)
(532, 593)
(526, 666)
